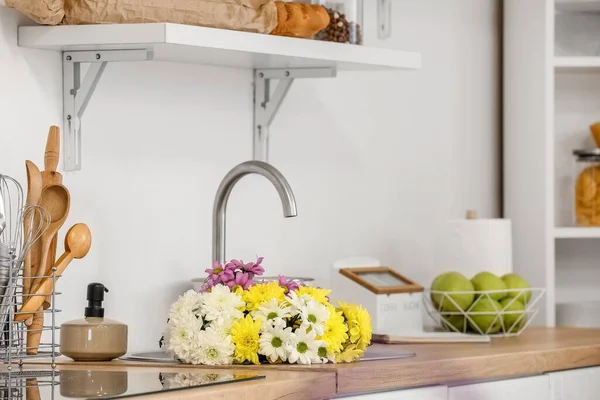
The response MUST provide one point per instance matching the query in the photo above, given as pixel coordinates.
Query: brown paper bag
(243, 15)
(46, 12)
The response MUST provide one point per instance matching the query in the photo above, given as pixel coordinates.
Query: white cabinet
(533, 387)
(427, 393)
(551, 86)
(576, 384)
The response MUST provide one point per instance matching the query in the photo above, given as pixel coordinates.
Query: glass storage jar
(346, 21)
(587, 187)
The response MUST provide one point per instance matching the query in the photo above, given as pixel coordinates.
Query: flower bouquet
(239, 318)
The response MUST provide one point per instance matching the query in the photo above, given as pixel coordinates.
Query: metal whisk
(11, 204)
(15, 243)
(11, 199)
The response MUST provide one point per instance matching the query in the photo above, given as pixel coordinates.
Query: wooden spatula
(51, 177)
(34, 193)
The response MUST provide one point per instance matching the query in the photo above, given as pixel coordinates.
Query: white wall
(375, 160)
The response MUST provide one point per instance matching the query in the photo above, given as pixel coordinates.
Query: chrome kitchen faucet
(282, 186)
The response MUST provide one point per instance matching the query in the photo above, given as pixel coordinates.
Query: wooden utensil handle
(34, 333)
(35, 302)
(41, 269)
(32, 390)
(48, 267)
(52, 153)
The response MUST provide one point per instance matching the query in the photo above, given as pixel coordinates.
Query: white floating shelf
(577, 233)
(574, 64)
(219, 47)
(589, 6)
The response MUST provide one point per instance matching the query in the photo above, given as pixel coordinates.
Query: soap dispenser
(93, 338)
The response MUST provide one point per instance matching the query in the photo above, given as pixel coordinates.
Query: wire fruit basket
(485, 314)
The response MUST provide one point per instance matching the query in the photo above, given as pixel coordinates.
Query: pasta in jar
(587, 188)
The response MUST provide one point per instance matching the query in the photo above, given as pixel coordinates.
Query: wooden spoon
(77, 244)
(34, 194)
(51, 177)
(57, 201)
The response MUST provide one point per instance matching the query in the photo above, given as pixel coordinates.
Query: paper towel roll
(470, 246)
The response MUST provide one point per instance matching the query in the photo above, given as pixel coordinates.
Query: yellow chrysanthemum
(350, 354)
(258, 294)
(335, 334)
(318, 294)
(358, 319)
(244, 335)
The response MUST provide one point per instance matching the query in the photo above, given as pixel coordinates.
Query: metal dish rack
(17, 379)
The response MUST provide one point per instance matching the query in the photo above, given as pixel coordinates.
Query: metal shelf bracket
(77, 93)
(267, 103)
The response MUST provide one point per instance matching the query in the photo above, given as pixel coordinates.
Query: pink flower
(219, 274)
(234, 265)
(289, 285)
(254, 269)
(242, 280)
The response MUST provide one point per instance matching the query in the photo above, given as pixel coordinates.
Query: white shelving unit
(551, 97)
(578, 6)
(576, 64)
(271, 57)
(219, 47)
(576, 233)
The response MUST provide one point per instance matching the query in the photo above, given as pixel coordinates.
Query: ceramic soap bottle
(93, 338)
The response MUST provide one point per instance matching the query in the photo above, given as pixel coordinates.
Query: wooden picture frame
(355, 275)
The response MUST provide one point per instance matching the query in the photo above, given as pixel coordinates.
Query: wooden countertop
(536, 351)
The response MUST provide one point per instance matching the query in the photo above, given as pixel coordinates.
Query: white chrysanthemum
(315, 316)
(221, 304)
(182, 340)
(297, 302)
(324, 355)
(189, 303)
(211, 349)
(272, 314)
(304, 347)
(200, 347)
(274, 343)
(222, 327)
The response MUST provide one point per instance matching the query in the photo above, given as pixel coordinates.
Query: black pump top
(95, 297)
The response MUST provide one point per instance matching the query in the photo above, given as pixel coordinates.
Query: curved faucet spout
(282, 186)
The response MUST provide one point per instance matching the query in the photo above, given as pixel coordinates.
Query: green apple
(485, 281)
(457, 321)
(514, 281)
(452, 282)
(490, 321)
(511, 318)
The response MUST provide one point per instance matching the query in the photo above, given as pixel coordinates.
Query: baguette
(300, 20)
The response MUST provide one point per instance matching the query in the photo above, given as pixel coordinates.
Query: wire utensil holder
(13, 348)
(24, 226)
